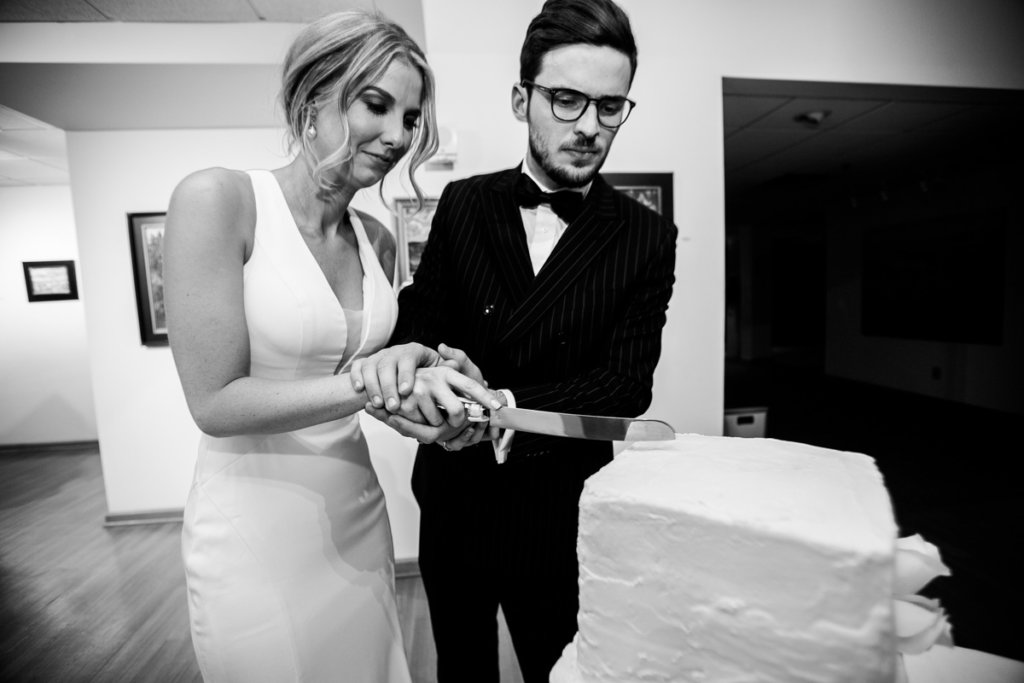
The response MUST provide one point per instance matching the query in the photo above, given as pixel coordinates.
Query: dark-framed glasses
(569, 105)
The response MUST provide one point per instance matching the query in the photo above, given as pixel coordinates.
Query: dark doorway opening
(807, 165)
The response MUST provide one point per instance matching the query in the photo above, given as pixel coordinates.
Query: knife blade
(570, 425)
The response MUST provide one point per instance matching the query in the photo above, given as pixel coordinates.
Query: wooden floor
(80, 602)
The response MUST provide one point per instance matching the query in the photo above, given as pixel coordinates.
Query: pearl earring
(311, 131)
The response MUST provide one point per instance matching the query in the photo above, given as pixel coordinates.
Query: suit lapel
(583, 240)
(508, 238)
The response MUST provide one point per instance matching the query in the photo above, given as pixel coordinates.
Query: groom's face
(570, 153)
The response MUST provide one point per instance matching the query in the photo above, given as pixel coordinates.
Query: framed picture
(412, 228)
(146, 234)
(50, 280)
(653, 190)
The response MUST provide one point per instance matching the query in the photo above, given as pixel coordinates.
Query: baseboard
(135, 518)
(54, 447)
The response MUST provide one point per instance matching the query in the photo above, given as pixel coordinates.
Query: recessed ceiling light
(812, 118)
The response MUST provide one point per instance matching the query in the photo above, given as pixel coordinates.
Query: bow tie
(566, 204)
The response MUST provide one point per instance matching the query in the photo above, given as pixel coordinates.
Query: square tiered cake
(718, 559)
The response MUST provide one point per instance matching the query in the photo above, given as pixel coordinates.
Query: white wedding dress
(286, 541)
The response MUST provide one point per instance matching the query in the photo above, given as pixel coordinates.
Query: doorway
(865, 226)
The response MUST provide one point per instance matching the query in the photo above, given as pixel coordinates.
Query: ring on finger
(444, 445)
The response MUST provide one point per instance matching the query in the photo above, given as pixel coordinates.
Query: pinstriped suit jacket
(582, 336)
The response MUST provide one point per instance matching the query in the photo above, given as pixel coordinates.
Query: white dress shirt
(543, 226)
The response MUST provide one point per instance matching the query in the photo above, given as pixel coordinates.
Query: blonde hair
(334, 59)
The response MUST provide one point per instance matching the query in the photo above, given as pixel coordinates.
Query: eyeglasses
(569, 105)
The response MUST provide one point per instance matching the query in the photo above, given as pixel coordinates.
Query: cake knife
(570, 425)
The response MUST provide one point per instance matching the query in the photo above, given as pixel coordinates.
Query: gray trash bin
(748, 422)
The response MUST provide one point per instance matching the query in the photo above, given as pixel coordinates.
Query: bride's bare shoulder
(214, 201)
(223, 186)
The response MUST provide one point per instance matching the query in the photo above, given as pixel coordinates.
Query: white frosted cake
(717, 559)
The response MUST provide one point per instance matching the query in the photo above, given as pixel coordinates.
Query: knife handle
(475, 412)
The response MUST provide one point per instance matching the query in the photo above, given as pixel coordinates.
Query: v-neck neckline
(357, 229)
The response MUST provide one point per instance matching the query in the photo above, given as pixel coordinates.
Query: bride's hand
(389, 375)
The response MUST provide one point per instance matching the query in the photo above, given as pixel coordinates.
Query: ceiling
(286, 11)
(871, 134)
(867, 129)
(31, 152)
(38, 102)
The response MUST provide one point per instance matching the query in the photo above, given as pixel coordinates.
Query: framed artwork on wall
(412, 228)
(146, 234)
(653, 190)
(50, 280)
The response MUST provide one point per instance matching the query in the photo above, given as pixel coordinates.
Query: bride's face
(382, 122)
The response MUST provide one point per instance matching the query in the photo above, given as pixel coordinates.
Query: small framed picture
(50, 280)
(653, 190)
(412, 228)
(146, 234)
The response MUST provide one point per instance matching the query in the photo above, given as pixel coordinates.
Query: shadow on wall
(54, 420)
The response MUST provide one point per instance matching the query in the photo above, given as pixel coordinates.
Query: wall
(45, 387)
(147, 437)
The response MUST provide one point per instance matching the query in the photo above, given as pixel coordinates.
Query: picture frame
(146, 236)
(653, 190)
(412, 228)
(50, 280)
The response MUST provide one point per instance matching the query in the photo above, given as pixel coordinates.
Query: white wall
(147, 437)
(45, 388)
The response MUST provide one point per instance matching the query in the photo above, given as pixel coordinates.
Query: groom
(560, 299)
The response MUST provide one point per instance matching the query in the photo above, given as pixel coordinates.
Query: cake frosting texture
(717, 559)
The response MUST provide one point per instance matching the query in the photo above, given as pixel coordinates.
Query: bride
(274, 285)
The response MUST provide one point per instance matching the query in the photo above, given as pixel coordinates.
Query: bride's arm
(206, 241)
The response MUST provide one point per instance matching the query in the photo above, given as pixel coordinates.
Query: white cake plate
(962, 665)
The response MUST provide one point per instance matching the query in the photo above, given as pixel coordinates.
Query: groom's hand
(438, 394)
(452, 438)
(434, 410)
(457, 358)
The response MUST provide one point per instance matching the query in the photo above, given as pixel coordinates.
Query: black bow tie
(565, 203)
